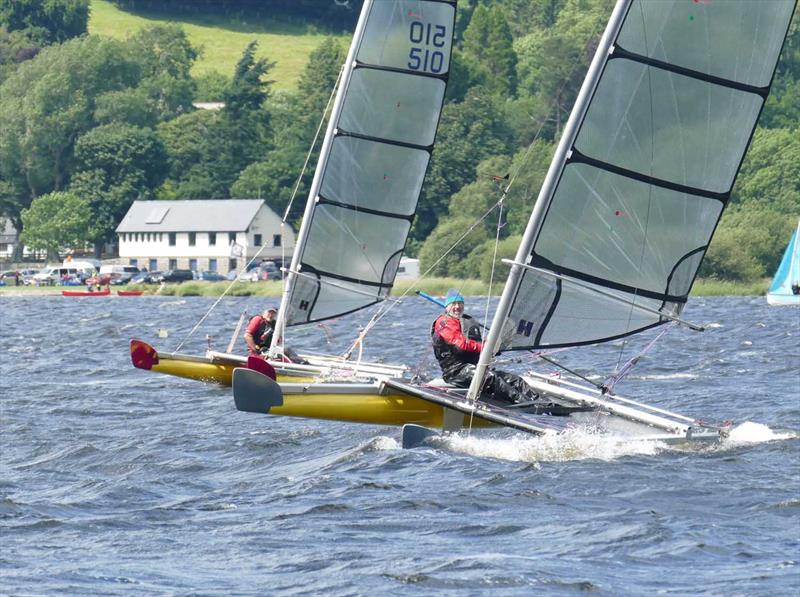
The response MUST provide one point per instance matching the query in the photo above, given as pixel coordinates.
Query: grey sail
(647, 173)
(372, 167)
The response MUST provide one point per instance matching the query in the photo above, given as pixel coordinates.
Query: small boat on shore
(105, 292)
(130, 292)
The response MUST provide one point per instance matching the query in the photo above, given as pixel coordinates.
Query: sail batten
(620, 52)
(376, 153)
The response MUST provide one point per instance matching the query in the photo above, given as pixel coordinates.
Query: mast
(546, 193)
(302, 235)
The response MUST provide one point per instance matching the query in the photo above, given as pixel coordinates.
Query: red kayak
(105, 292)
(130, 292)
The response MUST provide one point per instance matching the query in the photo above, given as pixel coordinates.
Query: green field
(222, 40)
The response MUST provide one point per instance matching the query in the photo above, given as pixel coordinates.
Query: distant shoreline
(433, 286)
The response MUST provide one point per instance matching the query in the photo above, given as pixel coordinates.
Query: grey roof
(193, 215)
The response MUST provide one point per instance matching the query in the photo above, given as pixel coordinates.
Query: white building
(202, 234)
(8, 238)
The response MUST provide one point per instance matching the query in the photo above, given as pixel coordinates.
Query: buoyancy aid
(263, 334)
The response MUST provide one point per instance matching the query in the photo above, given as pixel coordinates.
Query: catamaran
(638, 182)
(785, 287)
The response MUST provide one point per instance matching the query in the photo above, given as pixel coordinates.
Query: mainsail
(787, 278)
(373, 160)
(644, 170)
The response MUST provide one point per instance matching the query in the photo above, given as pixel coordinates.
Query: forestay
(371, 169)
(647, 172)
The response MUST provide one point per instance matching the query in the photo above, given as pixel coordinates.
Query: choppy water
(114, 480)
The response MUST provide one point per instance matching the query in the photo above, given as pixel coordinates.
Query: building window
(134, 262)
(212, 239)
(173, 264)
(232, 265)
(153, 265)
(193, 265)
(172, 239)
(231, 237)
(257, 240)
(276, 240)
(160, 237)
(192, 239)
(212, 265)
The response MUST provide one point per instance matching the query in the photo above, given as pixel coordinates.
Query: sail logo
(303, 305)
(524, 328)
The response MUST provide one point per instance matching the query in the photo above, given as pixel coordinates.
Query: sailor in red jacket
(258, 337)
(457, 345)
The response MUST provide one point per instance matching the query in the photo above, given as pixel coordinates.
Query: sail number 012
(425, 58)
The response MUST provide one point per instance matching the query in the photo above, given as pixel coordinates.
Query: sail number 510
(426, 58)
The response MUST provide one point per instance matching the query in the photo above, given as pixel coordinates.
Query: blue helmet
(453, 296)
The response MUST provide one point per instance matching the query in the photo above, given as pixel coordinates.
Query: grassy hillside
(222, 40)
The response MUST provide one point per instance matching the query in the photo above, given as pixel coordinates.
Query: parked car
(146, 278)
(53, 274)
(111, 274)
(176, 275)
(119, 279)
(27, 275)
(210, 276)
(267, 270)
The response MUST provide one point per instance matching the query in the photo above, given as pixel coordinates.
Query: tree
(209, 150)
(319, 77)
(532, 14)
(45, 105)
(782, 109)
(15, 48)
(553, 62)
(485, 263)
(248, 90)
(488, 43)
(273, 180)
(469, 132)
(448, 246)
(211, 86)
(117, 164)
(56, 220)
(50, 21)
(770, 174)
(240, 135)
(748, 243)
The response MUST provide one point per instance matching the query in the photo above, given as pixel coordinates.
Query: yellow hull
(360, 403)
(218, 370)
(303, 396)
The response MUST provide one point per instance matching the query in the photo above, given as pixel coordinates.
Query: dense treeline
(94, 124)
(332, 14)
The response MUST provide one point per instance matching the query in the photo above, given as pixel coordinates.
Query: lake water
(115, 480)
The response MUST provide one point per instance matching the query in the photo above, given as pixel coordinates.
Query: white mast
(302, 235)
(546, 193)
